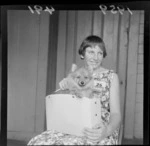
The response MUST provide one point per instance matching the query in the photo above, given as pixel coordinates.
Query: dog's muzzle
(81, 83)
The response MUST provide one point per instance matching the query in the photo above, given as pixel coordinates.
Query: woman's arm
(97, 134)
(115, 111)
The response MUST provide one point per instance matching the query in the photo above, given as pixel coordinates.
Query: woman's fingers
(92, 134)
(60, 85)
(97, 133)
(63, 84)
(93, 138)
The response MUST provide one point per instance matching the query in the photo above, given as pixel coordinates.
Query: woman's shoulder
(111, 73)
(102, 70)
(113, 76)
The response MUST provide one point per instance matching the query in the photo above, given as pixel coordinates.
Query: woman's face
(93, 57)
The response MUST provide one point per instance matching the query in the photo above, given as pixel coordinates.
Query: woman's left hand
(96, 134)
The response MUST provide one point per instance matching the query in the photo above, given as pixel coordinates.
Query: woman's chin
(95, 66)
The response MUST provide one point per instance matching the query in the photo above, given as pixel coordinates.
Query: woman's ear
(82, 57)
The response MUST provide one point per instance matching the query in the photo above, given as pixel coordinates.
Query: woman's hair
(92, 41)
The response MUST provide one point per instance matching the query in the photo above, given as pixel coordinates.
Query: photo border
(132, 5)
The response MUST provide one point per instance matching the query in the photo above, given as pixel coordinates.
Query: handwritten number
(129, 11)
(38, 9)
(31, 10)
(113, 9)
(121, 10)
(49, 10)
(103, 8)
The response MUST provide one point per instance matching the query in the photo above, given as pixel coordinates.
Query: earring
(82, 57)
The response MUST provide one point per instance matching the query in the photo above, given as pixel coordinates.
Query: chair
(120, 134)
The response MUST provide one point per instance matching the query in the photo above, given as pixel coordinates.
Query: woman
(92, 51)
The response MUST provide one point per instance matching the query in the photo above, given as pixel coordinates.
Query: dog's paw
(76, 93)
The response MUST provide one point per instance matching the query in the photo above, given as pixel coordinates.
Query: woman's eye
(101, 53)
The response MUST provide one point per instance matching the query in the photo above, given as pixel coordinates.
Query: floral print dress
(102, 80)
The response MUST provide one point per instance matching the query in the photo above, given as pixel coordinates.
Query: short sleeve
(111, 75)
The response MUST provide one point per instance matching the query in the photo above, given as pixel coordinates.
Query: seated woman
(92, 51)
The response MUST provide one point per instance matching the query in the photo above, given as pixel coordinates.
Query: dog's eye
(86, 77)
(78, 77)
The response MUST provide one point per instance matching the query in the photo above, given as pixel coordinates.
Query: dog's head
(81, 76)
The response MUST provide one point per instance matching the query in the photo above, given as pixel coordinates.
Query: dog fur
(80, 83)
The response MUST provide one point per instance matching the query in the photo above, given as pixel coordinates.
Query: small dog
(80, 83)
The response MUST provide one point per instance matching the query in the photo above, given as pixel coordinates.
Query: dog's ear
(74, 67)
(90, 69)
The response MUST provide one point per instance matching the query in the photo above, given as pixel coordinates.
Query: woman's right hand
(68, 83)
(63, 84)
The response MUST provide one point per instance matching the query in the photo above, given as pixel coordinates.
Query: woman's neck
(100, 68)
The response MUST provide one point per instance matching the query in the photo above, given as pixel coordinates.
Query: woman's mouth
(93, 62)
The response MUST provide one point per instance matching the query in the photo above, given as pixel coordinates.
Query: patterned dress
(102, 80)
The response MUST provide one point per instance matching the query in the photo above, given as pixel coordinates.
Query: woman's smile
(93, 56)
(93, 62)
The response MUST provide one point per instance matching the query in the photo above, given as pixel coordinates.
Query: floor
(124, 142)
(132, 142)
(15, 143)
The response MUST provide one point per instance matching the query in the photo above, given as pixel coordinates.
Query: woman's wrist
(111, 128)
(108, 130)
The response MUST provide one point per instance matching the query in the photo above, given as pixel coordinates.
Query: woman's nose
(95, 56)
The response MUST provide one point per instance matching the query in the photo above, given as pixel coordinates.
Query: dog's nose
(82, 83)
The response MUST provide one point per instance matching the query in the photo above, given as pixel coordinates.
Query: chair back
(69, 114)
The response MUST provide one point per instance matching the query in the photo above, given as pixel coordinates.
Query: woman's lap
(57, 138)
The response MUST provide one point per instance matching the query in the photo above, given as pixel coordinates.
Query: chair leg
(120, 135)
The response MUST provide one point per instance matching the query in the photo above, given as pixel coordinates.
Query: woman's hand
(96, 134)
(66, 82)
(63, 84)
